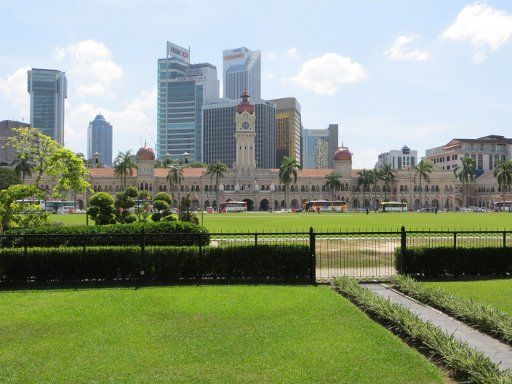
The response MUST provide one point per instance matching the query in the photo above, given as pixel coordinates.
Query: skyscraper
(48, 91)
(219, 132)
(183, 88)
(99, 140)
(288, 129)
(242, 72)
(318, 147)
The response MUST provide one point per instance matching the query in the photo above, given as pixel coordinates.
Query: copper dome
(146, 153)
(342, 154)
(244, 105)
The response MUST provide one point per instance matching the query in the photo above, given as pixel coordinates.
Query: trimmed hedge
(468, 364)
(74, 264)
(447, 261)
(180, 234)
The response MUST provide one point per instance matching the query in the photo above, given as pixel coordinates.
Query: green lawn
(255, 221)
(207, 334)
(497, 293)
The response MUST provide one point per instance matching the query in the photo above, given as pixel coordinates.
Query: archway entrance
(250, 204)
(264, 205)
(80, 204)
(295, 204)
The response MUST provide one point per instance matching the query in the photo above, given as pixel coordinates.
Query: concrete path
(498, 352)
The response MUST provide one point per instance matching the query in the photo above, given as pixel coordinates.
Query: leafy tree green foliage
(288, 173)
(163, 196)
(123, 203)
(124, 165)
(23, 166)
(161, 203)
(333, 183)
(101, 208)
(17, 214)
(143, 210)
(8, 177)
(422, 171)
(185, 213)
(216, 170)
(50, 159)
(503, 174)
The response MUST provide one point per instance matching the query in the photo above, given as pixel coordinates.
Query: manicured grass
(211, 334)
(256, 221)
(497, 293)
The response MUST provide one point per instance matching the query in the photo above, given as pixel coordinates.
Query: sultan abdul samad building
(261, 188)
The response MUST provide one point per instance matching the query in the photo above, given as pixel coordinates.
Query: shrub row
(76, 264)
(468, 364)
(179, 234)
(447, 261)
(484, 317)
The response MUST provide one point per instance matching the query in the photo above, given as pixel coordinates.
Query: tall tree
(124, 165)
(466, 174)
(503, 175)
(365, 179)
(375, 176)
(333, 182)
(388, 175)
(14, 213)
(422, 170)
(49, 159)
(23, 166)
(216, 170)
(8, 177)
(288, 173)
(175, 177)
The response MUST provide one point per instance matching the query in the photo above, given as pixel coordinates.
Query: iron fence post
(255, 239)
(25, 246)
(504, 239)
(143, 272)
(454, 240)
(403, 247)
(312, 252)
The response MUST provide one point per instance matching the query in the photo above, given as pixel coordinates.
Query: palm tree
(365, 178)
(175, 177)
(503, 174)
(23, 167)
(466, 174)
(216, 169)
(124, 164)
(375, 176)
(422, 170)
(289, 170)
(388, 175)
(333, 182)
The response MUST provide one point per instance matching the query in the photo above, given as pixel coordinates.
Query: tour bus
(233, 206)
(393, 206)
(54, 205)
(325, 206)
(498, 206)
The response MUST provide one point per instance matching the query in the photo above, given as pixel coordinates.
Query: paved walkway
(498, 352)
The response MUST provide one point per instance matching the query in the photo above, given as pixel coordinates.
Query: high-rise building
(7, 152)
(242, 72)
(99, 140)
(183, 88)
(288, 129)
(319, 146)
(398, 158)
(48, 91)
(219, 132)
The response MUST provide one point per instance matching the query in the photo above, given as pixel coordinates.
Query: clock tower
(245, 133)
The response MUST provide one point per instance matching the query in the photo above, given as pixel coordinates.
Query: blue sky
(388, 72)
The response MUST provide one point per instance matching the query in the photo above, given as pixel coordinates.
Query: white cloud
(91, 67)
(293, 53)
(269, 75)
(14, 89)
(323, 75)
(481, 25)
(400, 50)
(270, 55)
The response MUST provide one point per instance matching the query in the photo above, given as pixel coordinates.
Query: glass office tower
(99, 140)
(242, 72)
(48, 91)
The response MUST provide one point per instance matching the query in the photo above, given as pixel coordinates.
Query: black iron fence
(366, 255)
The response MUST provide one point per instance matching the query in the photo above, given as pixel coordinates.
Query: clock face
(245, 125)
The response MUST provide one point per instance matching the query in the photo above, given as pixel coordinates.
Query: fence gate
(368, 255)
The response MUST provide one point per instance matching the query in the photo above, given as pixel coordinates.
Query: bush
(101, 208)
(471, 365)
(156, 217)
(447, 261)
(484, 317)
(177, 233)
(74, 264)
